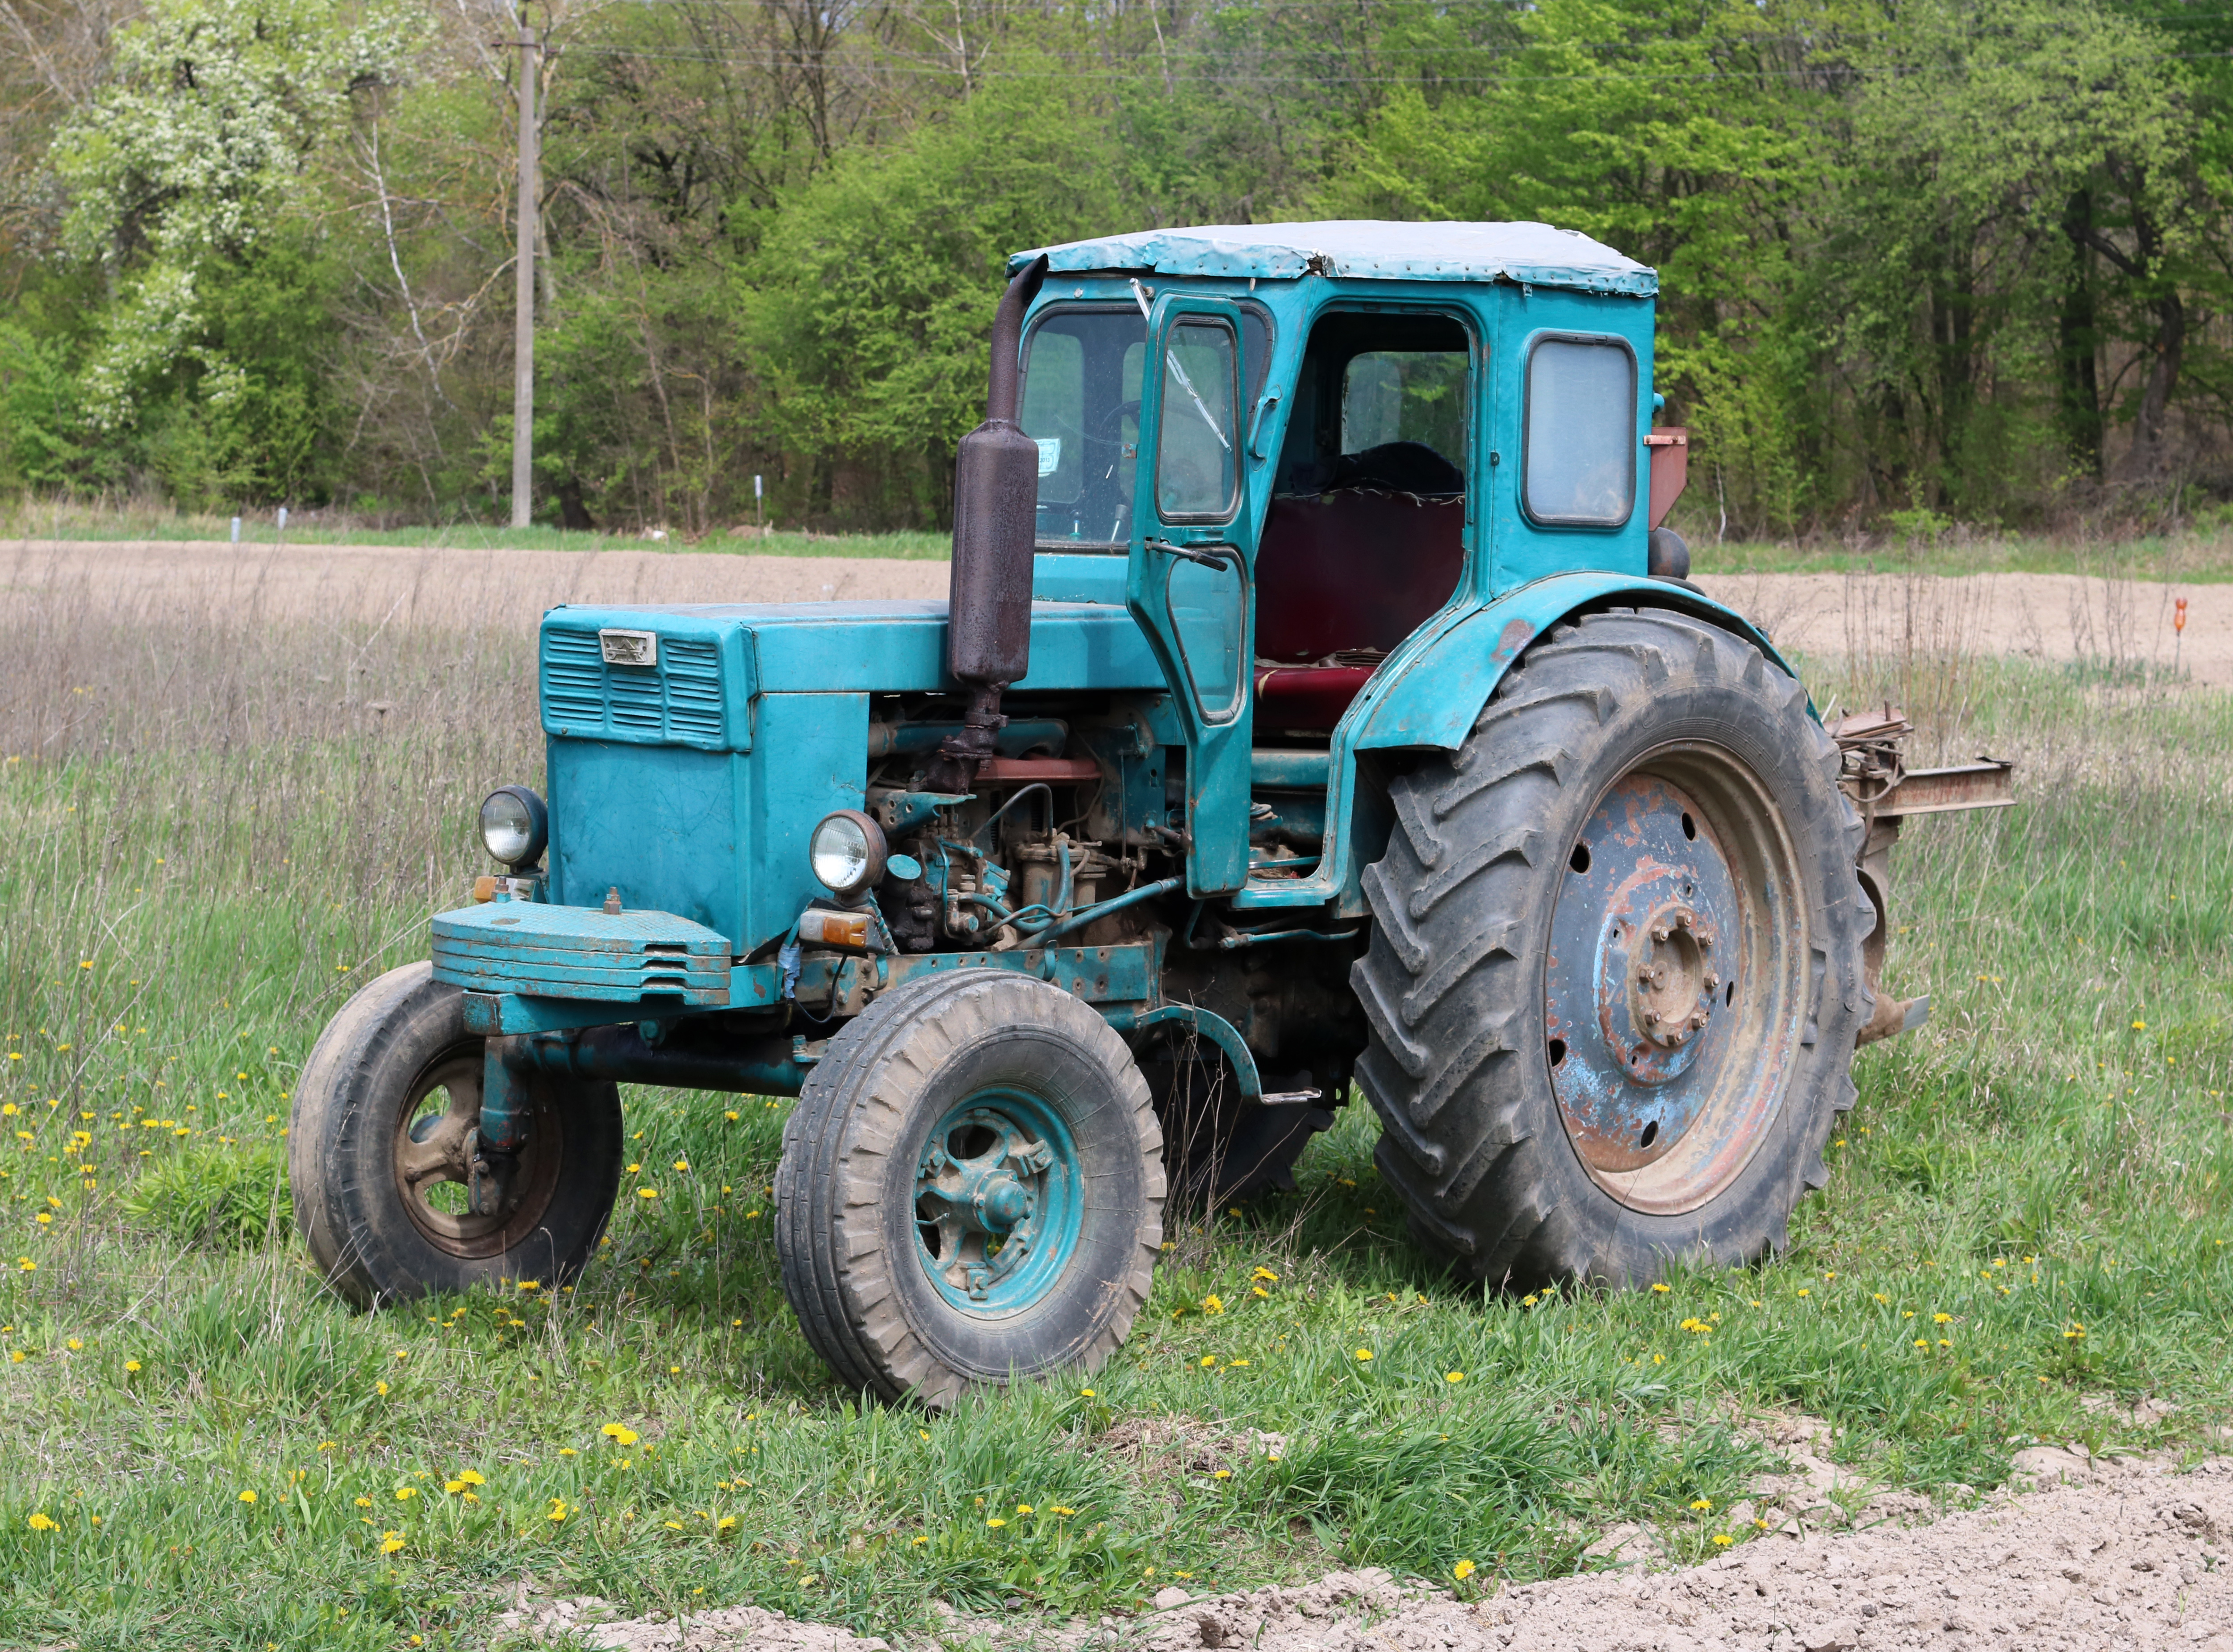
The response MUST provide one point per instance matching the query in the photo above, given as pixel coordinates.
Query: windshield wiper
(1171, 360)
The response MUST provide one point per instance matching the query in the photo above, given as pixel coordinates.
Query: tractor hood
(690, 674)
(692, 748)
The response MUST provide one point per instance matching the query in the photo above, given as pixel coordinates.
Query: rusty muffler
(996, 490)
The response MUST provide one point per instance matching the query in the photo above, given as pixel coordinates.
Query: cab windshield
(1082, 367)
(1082, 406)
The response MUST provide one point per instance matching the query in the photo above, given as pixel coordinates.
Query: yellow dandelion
(1462, 1571)
(996, 1522)
(1702, 1505)
(41, 1523)
(558, 1511)
(1364, 1355)
(390, 1542)
(1722, 1539)
(247, 1496)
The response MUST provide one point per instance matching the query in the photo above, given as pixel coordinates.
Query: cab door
(1192, 556)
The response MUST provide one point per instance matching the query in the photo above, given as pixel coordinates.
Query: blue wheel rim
(1673, 986)
(999, 1202)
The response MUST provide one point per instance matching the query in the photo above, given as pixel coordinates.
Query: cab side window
(1580, 440)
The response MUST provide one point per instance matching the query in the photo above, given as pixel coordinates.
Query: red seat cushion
(1305, 698)
(1354, 570)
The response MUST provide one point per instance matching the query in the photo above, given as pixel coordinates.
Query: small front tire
(376, 1154)
(972, 1189)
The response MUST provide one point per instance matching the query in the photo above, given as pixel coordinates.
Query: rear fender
(1428, 693)
(1430, 697)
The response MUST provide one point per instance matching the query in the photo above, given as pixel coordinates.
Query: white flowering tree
(191, 181)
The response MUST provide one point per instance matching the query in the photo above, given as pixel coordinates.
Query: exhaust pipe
(996, 489)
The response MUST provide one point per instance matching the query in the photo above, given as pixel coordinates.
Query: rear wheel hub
(1669, 991)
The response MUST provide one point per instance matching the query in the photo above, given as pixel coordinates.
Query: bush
(227, 1198)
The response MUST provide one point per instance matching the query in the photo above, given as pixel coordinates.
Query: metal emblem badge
(629, 648)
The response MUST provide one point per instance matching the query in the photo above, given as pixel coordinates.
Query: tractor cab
(1315, 443)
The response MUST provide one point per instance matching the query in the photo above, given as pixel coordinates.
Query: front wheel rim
(1674, 983)
(998, 1201)
(433, 1176)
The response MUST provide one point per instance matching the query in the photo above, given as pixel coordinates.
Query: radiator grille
(679, 701)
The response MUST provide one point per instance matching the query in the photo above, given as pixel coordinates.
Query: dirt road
(2043, 616)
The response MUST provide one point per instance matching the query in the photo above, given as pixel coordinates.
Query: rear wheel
(1616, 971)
(972, 1189)
(386, 1192)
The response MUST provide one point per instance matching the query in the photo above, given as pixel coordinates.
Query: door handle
(1220, 559)
(1256, 426)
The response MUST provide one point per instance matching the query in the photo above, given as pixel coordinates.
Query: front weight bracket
(504, 1103)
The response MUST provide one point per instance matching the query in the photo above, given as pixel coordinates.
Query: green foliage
(41, 422)
(868, 300)
(1961, 255)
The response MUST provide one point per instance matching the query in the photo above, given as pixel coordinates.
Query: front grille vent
(679, 701)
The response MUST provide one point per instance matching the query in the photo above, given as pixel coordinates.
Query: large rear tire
(376, 1159)
(971, 1191)
(1616, 972)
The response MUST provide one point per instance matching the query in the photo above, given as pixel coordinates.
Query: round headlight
(515, 825)
(847, 851)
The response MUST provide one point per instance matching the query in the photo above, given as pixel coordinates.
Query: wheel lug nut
(1659, 932)
(1713, 982)
(1651, 1018)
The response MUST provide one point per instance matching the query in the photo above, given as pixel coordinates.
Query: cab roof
(1362, 248)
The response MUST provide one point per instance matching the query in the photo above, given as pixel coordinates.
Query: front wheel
(1615, 975)
(972, 1189)
(387, 1194)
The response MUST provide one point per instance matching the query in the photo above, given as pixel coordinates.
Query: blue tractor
(1319, 704)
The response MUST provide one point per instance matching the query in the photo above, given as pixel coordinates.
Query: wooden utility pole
(523, 350)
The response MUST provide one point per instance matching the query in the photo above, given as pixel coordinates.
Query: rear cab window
(1579, 442)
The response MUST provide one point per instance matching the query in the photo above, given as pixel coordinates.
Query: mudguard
(1429, 691)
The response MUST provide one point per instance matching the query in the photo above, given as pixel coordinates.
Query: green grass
(200, 854)
(2196, 557)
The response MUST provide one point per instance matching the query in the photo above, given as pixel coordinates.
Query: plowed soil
(2096, 1554)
